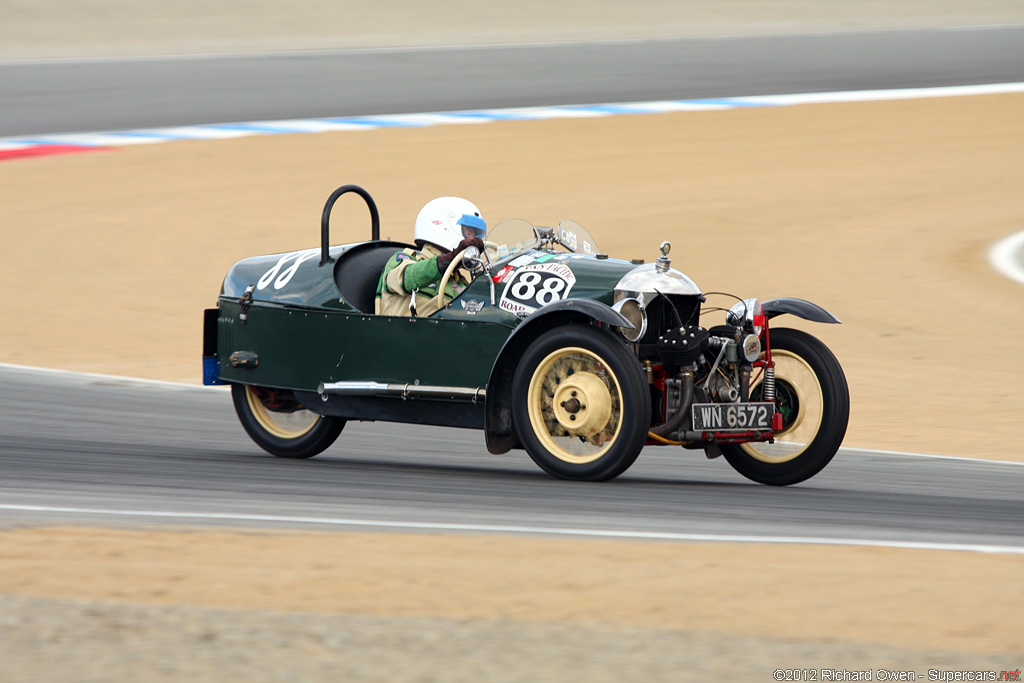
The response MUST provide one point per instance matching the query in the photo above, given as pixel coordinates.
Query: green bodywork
(304, 332)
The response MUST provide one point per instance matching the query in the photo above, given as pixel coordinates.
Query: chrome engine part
(722, 390)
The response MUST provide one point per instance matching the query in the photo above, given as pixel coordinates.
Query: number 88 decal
(536, 286)
(526, 288)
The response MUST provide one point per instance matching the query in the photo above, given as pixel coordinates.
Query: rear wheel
(279, 424)
(812, 395)
(581, 406)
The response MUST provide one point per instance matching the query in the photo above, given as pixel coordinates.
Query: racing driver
(444, 228)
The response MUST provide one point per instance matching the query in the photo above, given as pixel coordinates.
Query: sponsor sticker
(578, 245)
(472, 306)
(521, 260)
(504, 274)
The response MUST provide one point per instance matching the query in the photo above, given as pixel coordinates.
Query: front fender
(498, 432)
(800, 308)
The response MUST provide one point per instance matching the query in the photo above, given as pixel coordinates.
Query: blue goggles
(475, 223)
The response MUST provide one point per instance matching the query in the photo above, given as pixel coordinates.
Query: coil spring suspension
(768, 384)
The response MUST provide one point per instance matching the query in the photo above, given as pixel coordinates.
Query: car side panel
(299, 348)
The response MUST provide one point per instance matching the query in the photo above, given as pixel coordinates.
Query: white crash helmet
(442, 221)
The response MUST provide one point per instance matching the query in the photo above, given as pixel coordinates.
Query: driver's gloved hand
(444, 260)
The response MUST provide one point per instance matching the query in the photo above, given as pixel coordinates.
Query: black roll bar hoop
(325, 241)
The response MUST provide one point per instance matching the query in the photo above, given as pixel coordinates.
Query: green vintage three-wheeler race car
(555, 348)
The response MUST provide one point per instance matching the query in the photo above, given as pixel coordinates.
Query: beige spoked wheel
(812, 395)
(581, 406)
(798, 397)
(279, 424)
(575, 405)
(281, 418)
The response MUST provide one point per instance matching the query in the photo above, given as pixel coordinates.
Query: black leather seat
(358, 270)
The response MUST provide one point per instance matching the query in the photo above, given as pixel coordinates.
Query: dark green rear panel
(299, 348)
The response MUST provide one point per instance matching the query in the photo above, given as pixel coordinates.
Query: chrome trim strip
(406, 391)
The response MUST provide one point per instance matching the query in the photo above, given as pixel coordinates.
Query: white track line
(107, 378)
(530, 530)
(903, 454)
(1005, 257)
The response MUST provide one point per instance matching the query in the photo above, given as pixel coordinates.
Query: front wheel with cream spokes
(280, 425)
(812, 395)
(581, 406)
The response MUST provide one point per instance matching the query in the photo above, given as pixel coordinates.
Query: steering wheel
(490, 247)
(438, 300)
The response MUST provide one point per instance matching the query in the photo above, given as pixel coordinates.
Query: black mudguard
(800, 308)
(498, 430)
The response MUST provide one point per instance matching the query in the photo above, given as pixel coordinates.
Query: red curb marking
(47, 150)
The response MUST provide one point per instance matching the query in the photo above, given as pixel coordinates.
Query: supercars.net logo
(892, 675)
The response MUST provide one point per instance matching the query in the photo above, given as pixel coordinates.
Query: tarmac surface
(129, 93)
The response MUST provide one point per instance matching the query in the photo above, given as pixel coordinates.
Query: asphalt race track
(63, 96)
(116, 446)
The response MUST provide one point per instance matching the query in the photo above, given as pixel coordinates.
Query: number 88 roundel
(535, 286)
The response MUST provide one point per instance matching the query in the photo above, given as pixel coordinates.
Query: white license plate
(721, 417)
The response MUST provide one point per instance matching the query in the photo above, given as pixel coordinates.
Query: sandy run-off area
(100, 605)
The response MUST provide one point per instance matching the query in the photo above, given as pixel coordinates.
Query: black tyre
(280, 425)
(580, 404)
(813, 397)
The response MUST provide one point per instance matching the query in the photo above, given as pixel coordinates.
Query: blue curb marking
(253, 128)
(381, 122)
(216, 131)
(735, 103)
(157, 134)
